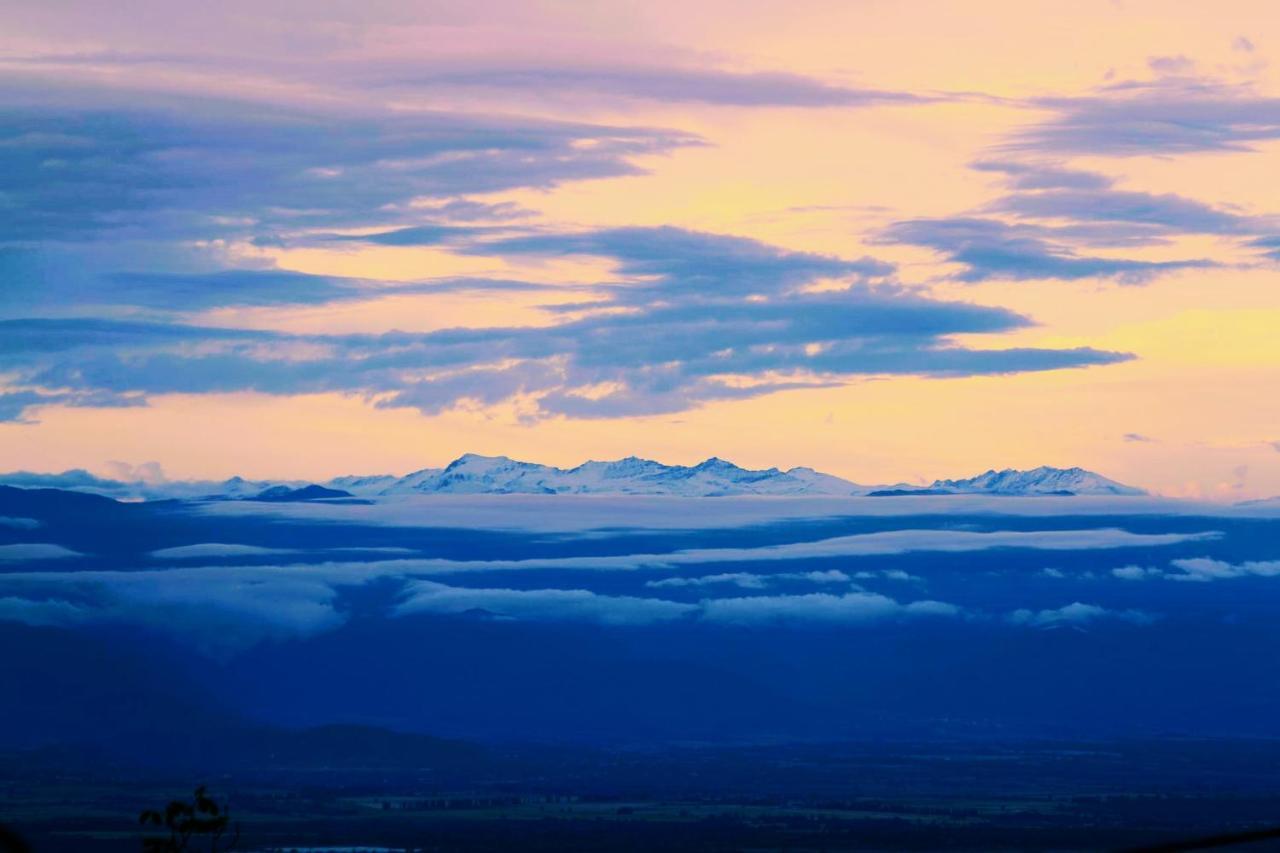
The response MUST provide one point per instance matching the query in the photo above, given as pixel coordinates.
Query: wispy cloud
(711, 317)
(21, 552)
(652, 83)
(172, 169)
(1077, 614)
(1202, 569)
(540, 604)
(1054, 216)
(749, 580)
(819, 609)
(993, 249)
(217, 549)
(746, 580)
(1165, 116)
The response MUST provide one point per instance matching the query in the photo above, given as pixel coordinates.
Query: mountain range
(476, 474)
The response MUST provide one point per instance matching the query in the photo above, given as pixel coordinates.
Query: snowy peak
(501, 475)
(713, 477)
(475, 474)
(1038, 481)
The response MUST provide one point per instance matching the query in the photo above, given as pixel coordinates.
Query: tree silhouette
(196, 822)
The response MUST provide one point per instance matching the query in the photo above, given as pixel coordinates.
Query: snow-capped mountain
(1038, 481)
(475, 474)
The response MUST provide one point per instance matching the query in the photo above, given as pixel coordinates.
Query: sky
(890, 241)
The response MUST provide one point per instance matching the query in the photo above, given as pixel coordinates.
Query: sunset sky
(892, 241)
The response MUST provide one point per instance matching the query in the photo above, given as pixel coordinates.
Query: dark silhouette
(1211, 842)
(285, 494)
(11, 842)
(201, 819)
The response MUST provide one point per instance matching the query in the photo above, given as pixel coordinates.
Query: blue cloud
(50, 278)
(674, 262)
(14, 405)
(1161, 117)
(1041, 176)
(1053, 213)
(1270, 246)
(691, 335)
(160, 170)
(195, 291)
(684, 85)
(1167, 212)
(992, 249)
(1170, 64)
(413, 235)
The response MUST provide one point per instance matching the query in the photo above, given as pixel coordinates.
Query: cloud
(222, 288)
(1054, 215)
(1204, 569)
(22, 552)
(217, 549)
(667, 262)
(748, 580)
(1045, 227)
(1170, 64)
(887, 574)
(1270, 244)
(1200, 570)
(226, 609)
(412, 235)
(993, 249)
(667, 84)
(1136, 573)
(1077, 614)
(220, 609)
(710, 317)
(857, 545)
(125, 200)
(830, 576)
(558, 605)
(15, 405)
(87, 164)
(1043, 176)
(150, 473)
(818, 609)
(559, 79)
(1167, 116)
(907, 541)
(1167, 212)
(1138, 438)
(43, 613)
(55, 275)
(579, 605)
(18, 522)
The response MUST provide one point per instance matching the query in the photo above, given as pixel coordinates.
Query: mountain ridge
(473, 473)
